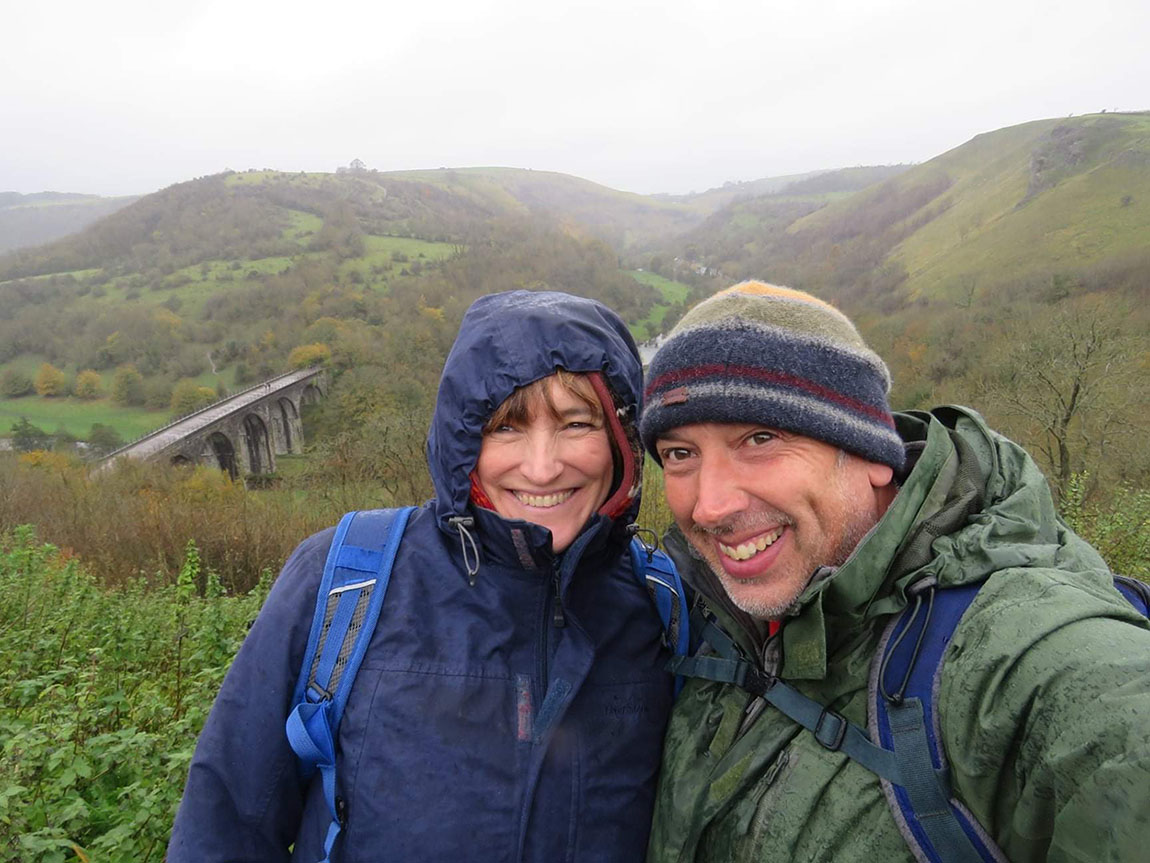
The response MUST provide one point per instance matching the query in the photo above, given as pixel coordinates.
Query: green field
(76, 416)
(379, 258)
(673, 293)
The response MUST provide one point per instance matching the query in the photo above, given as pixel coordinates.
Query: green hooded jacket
(1044, 694)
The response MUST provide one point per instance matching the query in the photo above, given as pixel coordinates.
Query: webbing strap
(356, 575)
(927, 787)
(832, 730)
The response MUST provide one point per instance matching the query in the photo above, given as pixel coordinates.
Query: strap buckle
(316, 694)
(831, 729)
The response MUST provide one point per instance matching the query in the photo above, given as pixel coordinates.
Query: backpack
(351, 594)
(904, 750)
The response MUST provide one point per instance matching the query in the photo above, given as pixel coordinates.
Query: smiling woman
(546, 458)
(514, 689)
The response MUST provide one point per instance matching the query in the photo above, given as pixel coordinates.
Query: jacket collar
(523, 546)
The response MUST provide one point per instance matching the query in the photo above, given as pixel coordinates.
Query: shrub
(103, 439)
(188, 396)
(27, 437)
(89, 385)
(14, 383)
(127, 386)
(1120, 529)
(50, 381)
(135, 519)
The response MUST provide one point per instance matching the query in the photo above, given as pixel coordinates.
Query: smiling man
(813, 517)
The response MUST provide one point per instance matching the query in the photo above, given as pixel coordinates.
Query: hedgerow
(102, 694)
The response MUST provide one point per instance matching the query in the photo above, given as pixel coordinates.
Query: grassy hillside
(1020, 203)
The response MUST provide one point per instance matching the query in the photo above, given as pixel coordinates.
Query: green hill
(1020, 204)
(218, 280)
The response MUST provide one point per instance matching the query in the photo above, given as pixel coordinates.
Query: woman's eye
(581, 425)
(674, 454)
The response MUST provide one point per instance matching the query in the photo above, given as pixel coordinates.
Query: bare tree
(1072, 382)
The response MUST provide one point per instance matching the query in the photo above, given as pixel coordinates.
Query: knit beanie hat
(758, 353)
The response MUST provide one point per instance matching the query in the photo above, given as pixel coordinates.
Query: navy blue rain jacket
(478, 729)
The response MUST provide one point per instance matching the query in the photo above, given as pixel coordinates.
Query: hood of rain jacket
(510, 340)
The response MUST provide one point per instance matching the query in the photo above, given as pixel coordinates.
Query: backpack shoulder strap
(1137, 592)
(350, 596)
(904, 718)
(656, 572)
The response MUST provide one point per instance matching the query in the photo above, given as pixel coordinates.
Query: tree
(1073, 383)
(89, 385)
(127, 386)
(50, 381)
(103, 439)
(305, 356)
(27, 437)
(188, 396)
(15, 383)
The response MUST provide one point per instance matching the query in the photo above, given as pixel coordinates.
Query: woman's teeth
(543, 500)
(748, 549)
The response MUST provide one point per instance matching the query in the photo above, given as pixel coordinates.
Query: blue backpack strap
(347, 606)
(657, 573)
(904, 719)
(1137, 592)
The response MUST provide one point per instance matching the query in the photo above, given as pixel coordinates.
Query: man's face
(766, 508)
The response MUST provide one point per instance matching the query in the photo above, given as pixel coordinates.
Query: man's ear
(880, 475)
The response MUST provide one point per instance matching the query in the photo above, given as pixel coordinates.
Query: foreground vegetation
(102, 693)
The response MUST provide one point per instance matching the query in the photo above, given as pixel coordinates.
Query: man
(812, 515)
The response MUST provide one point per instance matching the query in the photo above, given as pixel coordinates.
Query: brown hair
(525, 401)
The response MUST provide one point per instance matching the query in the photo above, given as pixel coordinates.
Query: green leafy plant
(102, 694)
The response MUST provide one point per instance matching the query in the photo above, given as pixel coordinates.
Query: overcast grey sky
(128, 96)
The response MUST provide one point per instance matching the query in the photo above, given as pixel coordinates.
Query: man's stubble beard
(859, 517)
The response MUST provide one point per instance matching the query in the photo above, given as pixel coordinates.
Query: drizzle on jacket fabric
(478, 730)
(1044, 692)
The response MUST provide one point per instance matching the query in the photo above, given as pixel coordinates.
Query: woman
(512, 702)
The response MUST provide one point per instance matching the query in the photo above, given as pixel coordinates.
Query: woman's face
(554, 470)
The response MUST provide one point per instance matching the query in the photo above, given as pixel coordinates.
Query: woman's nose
(541, 463)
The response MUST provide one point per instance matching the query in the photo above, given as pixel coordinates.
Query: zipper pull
(558, 618)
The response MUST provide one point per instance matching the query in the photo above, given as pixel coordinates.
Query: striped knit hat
(757, 353)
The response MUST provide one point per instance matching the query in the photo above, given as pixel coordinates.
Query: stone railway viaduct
(241, 434)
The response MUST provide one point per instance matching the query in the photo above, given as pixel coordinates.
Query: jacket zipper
(558, 618)
(768, 663)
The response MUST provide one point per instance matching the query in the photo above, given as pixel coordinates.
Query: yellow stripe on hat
(763, 289)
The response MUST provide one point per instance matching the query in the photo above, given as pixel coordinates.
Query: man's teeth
(544, 499)
(748, 549)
